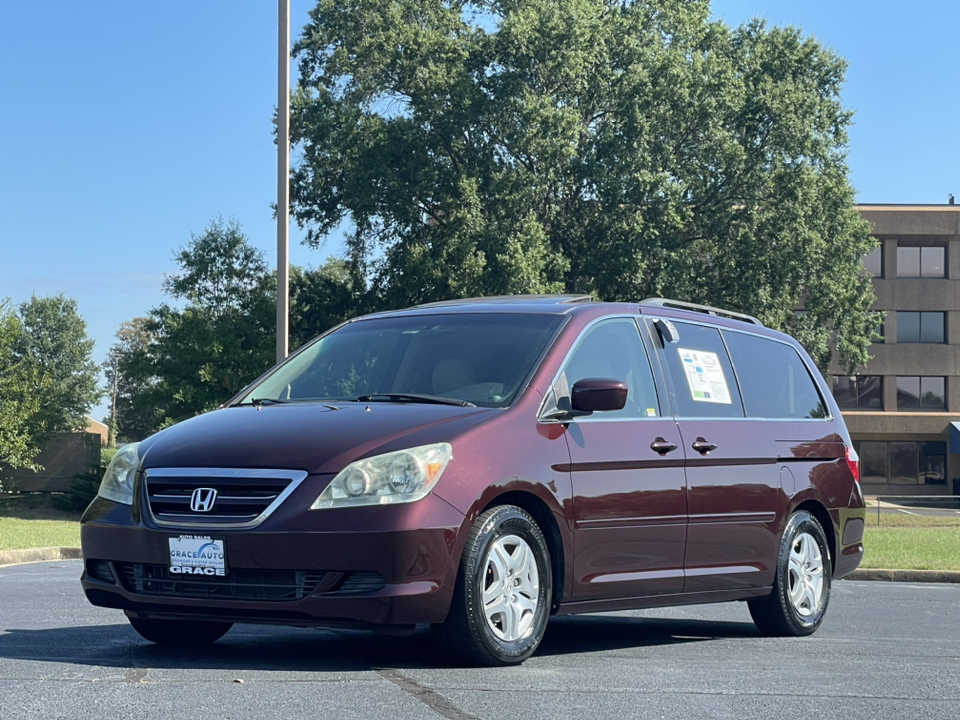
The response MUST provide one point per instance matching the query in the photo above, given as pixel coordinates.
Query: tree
(197, 357)
(324, 297)
(624, 149)
(20, 381)
(128, 374)
(54, 339)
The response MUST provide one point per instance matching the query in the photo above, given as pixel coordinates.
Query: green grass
(31, 522)
(911, 548)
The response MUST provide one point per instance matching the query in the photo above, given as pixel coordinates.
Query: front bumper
(387, 565)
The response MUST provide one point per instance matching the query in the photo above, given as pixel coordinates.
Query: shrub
(84, 487)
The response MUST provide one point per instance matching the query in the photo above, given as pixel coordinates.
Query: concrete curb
(910, 576)
(18, 557)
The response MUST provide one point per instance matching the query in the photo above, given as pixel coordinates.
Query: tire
(179, 632)
(801, 591)
(501, 603)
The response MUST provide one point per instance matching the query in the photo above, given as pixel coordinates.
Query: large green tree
(625, 149)
(129, 374)
(323, 297)
(21, 389)
(188, 359)
(54, 338)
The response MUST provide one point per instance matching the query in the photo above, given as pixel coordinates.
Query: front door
(627, 474)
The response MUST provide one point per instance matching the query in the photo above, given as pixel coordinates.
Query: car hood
(313, 437)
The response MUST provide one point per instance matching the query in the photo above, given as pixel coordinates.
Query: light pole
(283, 178)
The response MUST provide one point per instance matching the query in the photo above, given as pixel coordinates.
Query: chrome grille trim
(213, 477)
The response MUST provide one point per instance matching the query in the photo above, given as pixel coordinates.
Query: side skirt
(654, 601)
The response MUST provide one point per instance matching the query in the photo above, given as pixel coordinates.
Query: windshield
(479, 359)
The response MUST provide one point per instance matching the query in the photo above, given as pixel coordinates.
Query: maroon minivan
(482, 464)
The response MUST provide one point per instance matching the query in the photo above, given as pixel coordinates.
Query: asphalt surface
(886, 650)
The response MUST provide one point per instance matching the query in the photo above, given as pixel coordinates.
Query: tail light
(853, 463)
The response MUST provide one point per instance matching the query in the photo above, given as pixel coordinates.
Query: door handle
(663, 446)
(702, 446)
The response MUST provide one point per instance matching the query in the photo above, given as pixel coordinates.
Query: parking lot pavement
(885, 651)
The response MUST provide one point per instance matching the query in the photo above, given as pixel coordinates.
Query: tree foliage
(129, 375)
(20, 380)
(624, 149)
(54, 339)
(182, 361)
(324, 297)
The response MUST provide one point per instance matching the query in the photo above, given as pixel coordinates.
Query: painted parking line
(906, 512)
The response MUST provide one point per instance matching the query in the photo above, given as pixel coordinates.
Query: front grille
(230, 497)
(266, 585)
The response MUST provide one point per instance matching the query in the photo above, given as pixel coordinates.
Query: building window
(858, 391)
(921, 393)
(873, 462)
(873, 262)
(928, 262)
(903, 463)
(878, 336)
(921, 327)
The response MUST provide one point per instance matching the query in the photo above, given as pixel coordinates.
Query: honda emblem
(203, 499)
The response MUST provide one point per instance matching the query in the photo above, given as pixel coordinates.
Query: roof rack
(544, 299)
(707, 309)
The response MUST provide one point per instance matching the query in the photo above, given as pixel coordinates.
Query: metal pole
(283, 179)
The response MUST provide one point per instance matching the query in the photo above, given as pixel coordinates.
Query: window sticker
(705, 376)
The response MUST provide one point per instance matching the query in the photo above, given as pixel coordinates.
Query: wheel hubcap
(806, 575)
(511, 588)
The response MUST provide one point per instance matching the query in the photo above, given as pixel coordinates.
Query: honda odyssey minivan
(480, 465)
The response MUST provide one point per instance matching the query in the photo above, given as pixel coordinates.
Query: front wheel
(802, 588)
(502, 598)
(179, 632)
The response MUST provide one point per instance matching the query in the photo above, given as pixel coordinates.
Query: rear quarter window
(774, 381)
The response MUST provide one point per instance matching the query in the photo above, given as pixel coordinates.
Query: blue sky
(127, 126)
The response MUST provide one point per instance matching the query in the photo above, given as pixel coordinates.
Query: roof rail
(707, 309)
(544, 299)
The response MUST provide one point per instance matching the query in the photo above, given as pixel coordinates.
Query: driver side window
(612, 349)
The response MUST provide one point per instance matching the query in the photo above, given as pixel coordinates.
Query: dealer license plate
(198, 555)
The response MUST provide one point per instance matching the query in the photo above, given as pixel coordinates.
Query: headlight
(398, 477)
(117, 483)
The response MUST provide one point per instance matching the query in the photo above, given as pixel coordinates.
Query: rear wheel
(801, 592)
(502, 599)
(179, 632)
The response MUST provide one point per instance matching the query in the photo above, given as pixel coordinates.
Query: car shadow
(265, 648)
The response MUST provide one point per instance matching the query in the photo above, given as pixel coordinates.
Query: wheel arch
(820, 512)
(544, 517)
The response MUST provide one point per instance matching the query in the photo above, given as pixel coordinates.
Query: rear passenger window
(775, 382)
(703, 378)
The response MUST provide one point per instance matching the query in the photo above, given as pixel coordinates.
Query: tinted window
(773, 379)
(908, 262)
(873, 262)
(858, 391)
(873, 462)
(903, 463)
(612, 349)
(703, 378)
(480, 358)
(933, 463)
(921, 262)
(921, 393)
(921, 327)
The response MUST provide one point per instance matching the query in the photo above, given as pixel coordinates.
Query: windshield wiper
(413, 397)
(259, 402)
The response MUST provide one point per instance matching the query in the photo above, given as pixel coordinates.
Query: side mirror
(598, 395)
